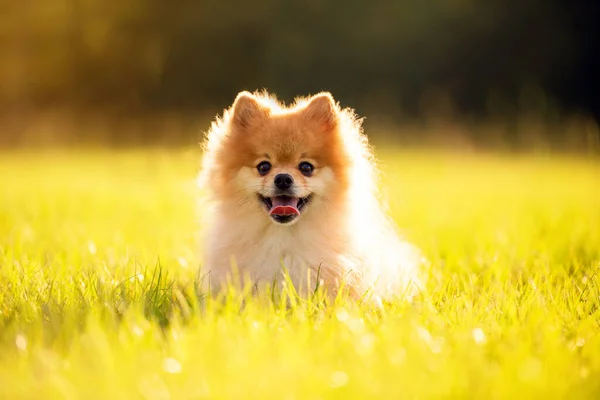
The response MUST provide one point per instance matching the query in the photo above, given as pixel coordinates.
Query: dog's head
(281, 162)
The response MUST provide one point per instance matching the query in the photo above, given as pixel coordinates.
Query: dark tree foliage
(384, 54)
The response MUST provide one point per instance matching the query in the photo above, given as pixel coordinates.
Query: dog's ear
(247, 110)
(321, 109)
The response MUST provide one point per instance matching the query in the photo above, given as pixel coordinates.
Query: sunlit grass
(98, 298)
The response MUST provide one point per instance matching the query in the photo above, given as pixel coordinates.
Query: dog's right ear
(247, 110)
(321, 109)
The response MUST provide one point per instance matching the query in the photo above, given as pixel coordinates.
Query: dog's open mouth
(284, 209)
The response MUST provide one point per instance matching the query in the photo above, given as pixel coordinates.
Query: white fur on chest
(262, 252)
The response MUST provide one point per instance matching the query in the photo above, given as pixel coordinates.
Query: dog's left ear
(321, 109)
(248, 110)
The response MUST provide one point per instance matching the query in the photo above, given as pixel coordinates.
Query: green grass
(98, 266)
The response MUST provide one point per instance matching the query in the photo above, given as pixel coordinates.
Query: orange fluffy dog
(294, 189)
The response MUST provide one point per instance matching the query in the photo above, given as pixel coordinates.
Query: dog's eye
(306, 168)
(263, 167)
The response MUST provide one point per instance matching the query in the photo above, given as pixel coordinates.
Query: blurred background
(502, 74)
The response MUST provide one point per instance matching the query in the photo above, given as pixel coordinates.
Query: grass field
(97, 297)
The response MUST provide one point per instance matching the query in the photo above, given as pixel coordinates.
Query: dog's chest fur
(262, 252)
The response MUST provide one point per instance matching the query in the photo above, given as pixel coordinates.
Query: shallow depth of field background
(485, 120)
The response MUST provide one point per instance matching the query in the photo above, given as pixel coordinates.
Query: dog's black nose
(283, 181)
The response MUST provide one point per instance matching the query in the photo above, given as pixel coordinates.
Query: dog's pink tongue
(283, 205)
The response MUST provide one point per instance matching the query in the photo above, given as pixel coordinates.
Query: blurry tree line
(400, 58)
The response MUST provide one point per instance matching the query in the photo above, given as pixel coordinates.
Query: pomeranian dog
(293, 189)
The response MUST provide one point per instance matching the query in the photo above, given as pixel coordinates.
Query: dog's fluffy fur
(342, 233)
